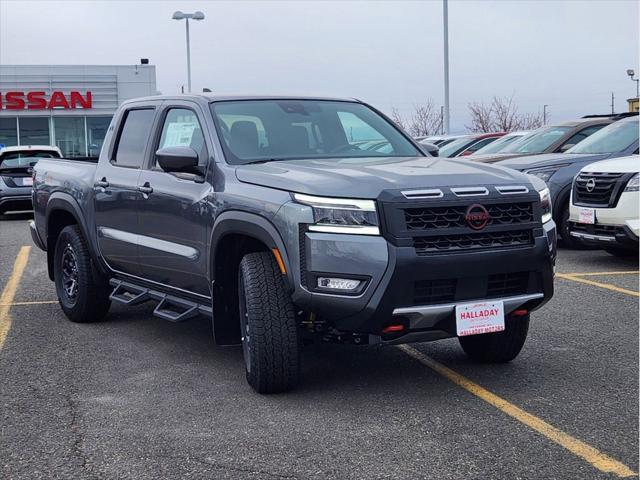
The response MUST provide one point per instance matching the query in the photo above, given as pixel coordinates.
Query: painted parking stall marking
(598, 459)
(9, 292)
(577, 277)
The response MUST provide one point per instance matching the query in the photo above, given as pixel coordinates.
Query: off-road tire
(499, 347)
(91, 301)
(271, 346)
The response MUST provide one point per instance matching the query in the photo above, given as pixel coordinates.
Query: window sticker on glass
(179, 134)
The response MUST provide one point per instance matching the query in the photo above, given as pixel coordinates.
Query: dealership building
(69, 106)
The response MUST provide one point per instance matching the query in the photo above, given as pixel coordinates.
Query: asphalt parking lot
(136, 397)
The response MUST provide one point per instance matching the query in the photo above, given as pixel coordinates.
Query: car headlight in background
(545, 205)
(544, 173)
(633, 184)
(341, 215)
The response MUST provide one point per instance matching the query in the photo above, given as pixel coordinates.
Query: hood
(368, 177)
(630, 164)
(550, 160)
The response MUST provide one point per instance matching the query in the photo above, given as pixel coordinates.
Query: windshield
(498, 145)
(452, 148)
(25, 158)
(613, 138)
(538, 141)
(268, 130)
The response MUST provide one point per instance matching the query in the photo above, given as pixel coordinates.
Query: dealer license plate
(587, 215)
(478, 318)
(27, 181)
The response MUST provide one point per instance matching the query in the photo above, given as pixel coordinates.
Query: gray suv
(265, 215)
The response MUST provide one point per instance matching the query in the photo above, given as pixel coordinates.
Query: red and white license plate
(479, 318)
(587, 215)
(27, 181)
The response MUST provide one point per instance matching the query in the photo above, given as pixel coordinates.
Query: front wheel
(498, 347)
(83, 295)
(270, 343)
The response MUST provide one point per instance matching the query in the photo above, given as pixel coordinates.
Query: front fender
(252, 225)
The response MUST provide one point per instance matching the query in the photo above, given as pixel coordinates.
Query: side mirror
(429, 148)
(178, 159)
(566, 147)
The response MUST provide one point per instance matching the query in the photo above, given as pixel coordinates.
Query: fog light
(344, 284)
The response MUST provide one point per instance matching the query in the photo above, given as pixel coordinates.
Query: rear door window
(133, 138)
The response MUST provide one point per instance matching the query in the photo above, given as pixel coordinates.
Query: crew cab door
(173, 210)
(116, 194)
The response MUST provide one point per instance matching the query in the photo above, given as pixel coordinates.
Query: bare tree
(397, 117)
(481, 117)
(501, 116)
(425, 120)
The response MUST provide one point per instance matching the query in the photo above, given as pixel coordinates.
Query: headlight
(341, 215)
(633, 184)
(543, 173)
(545, 205)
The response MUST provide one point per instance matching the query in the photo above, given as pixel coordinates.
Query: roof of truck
(212, 97)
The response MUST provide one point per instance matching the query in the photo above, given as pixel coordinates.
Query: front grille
(497, 285)
(427, 292)
(472, 241)
(429, 218)
(605, 230)
(602, 185)
(507, 284)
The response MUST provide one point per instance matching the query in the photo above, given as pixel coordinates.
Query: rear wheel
(499, 347)
(270, 342)
(83, 295)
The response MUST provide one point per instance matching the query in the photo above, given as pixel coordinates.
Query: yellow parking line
(598, 284)
(10, 291)
(599, 460)
(16, 304)
(587, 274)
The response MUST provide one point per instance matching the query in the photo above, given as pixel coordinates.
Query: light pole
(631, 74)
(445, 21)
(186, 16)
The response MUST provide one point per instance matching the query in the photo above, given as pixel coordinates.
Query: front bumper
(394, 273)
(13, 203)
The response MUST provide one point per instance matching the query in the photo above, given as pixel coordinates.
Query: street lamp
(631, 74)
(186, 16)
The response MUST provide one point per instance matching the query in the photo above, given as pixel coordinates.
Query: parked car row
(556, 154)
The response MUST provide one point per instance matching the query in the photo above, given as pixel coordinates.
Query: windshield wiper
(266, 160)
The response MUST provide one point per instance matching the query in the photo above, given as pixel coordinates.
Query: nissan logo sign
(591, 185)
(477, 216)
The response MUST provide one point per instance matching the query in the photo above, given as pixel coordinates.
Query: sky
(570, 55)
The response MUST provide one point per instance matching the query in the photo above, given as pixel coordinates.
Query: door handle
(101, 183)
(146, 188)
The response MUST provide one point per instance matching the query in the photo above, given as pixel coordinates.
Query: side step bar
(169, 307)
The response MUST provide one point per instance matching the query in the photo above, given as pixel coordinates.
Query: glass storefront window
(34, 131)
(96, 131)
(8, 132)
(70, 136)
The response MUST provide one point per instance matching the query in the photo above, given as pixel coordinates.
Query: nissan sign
(40, 100)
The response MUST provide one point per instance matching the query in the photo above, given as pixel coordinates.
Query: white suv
(604, 205)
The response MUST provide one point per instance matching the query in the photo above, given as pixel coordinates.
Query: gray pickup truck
(265, 215)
